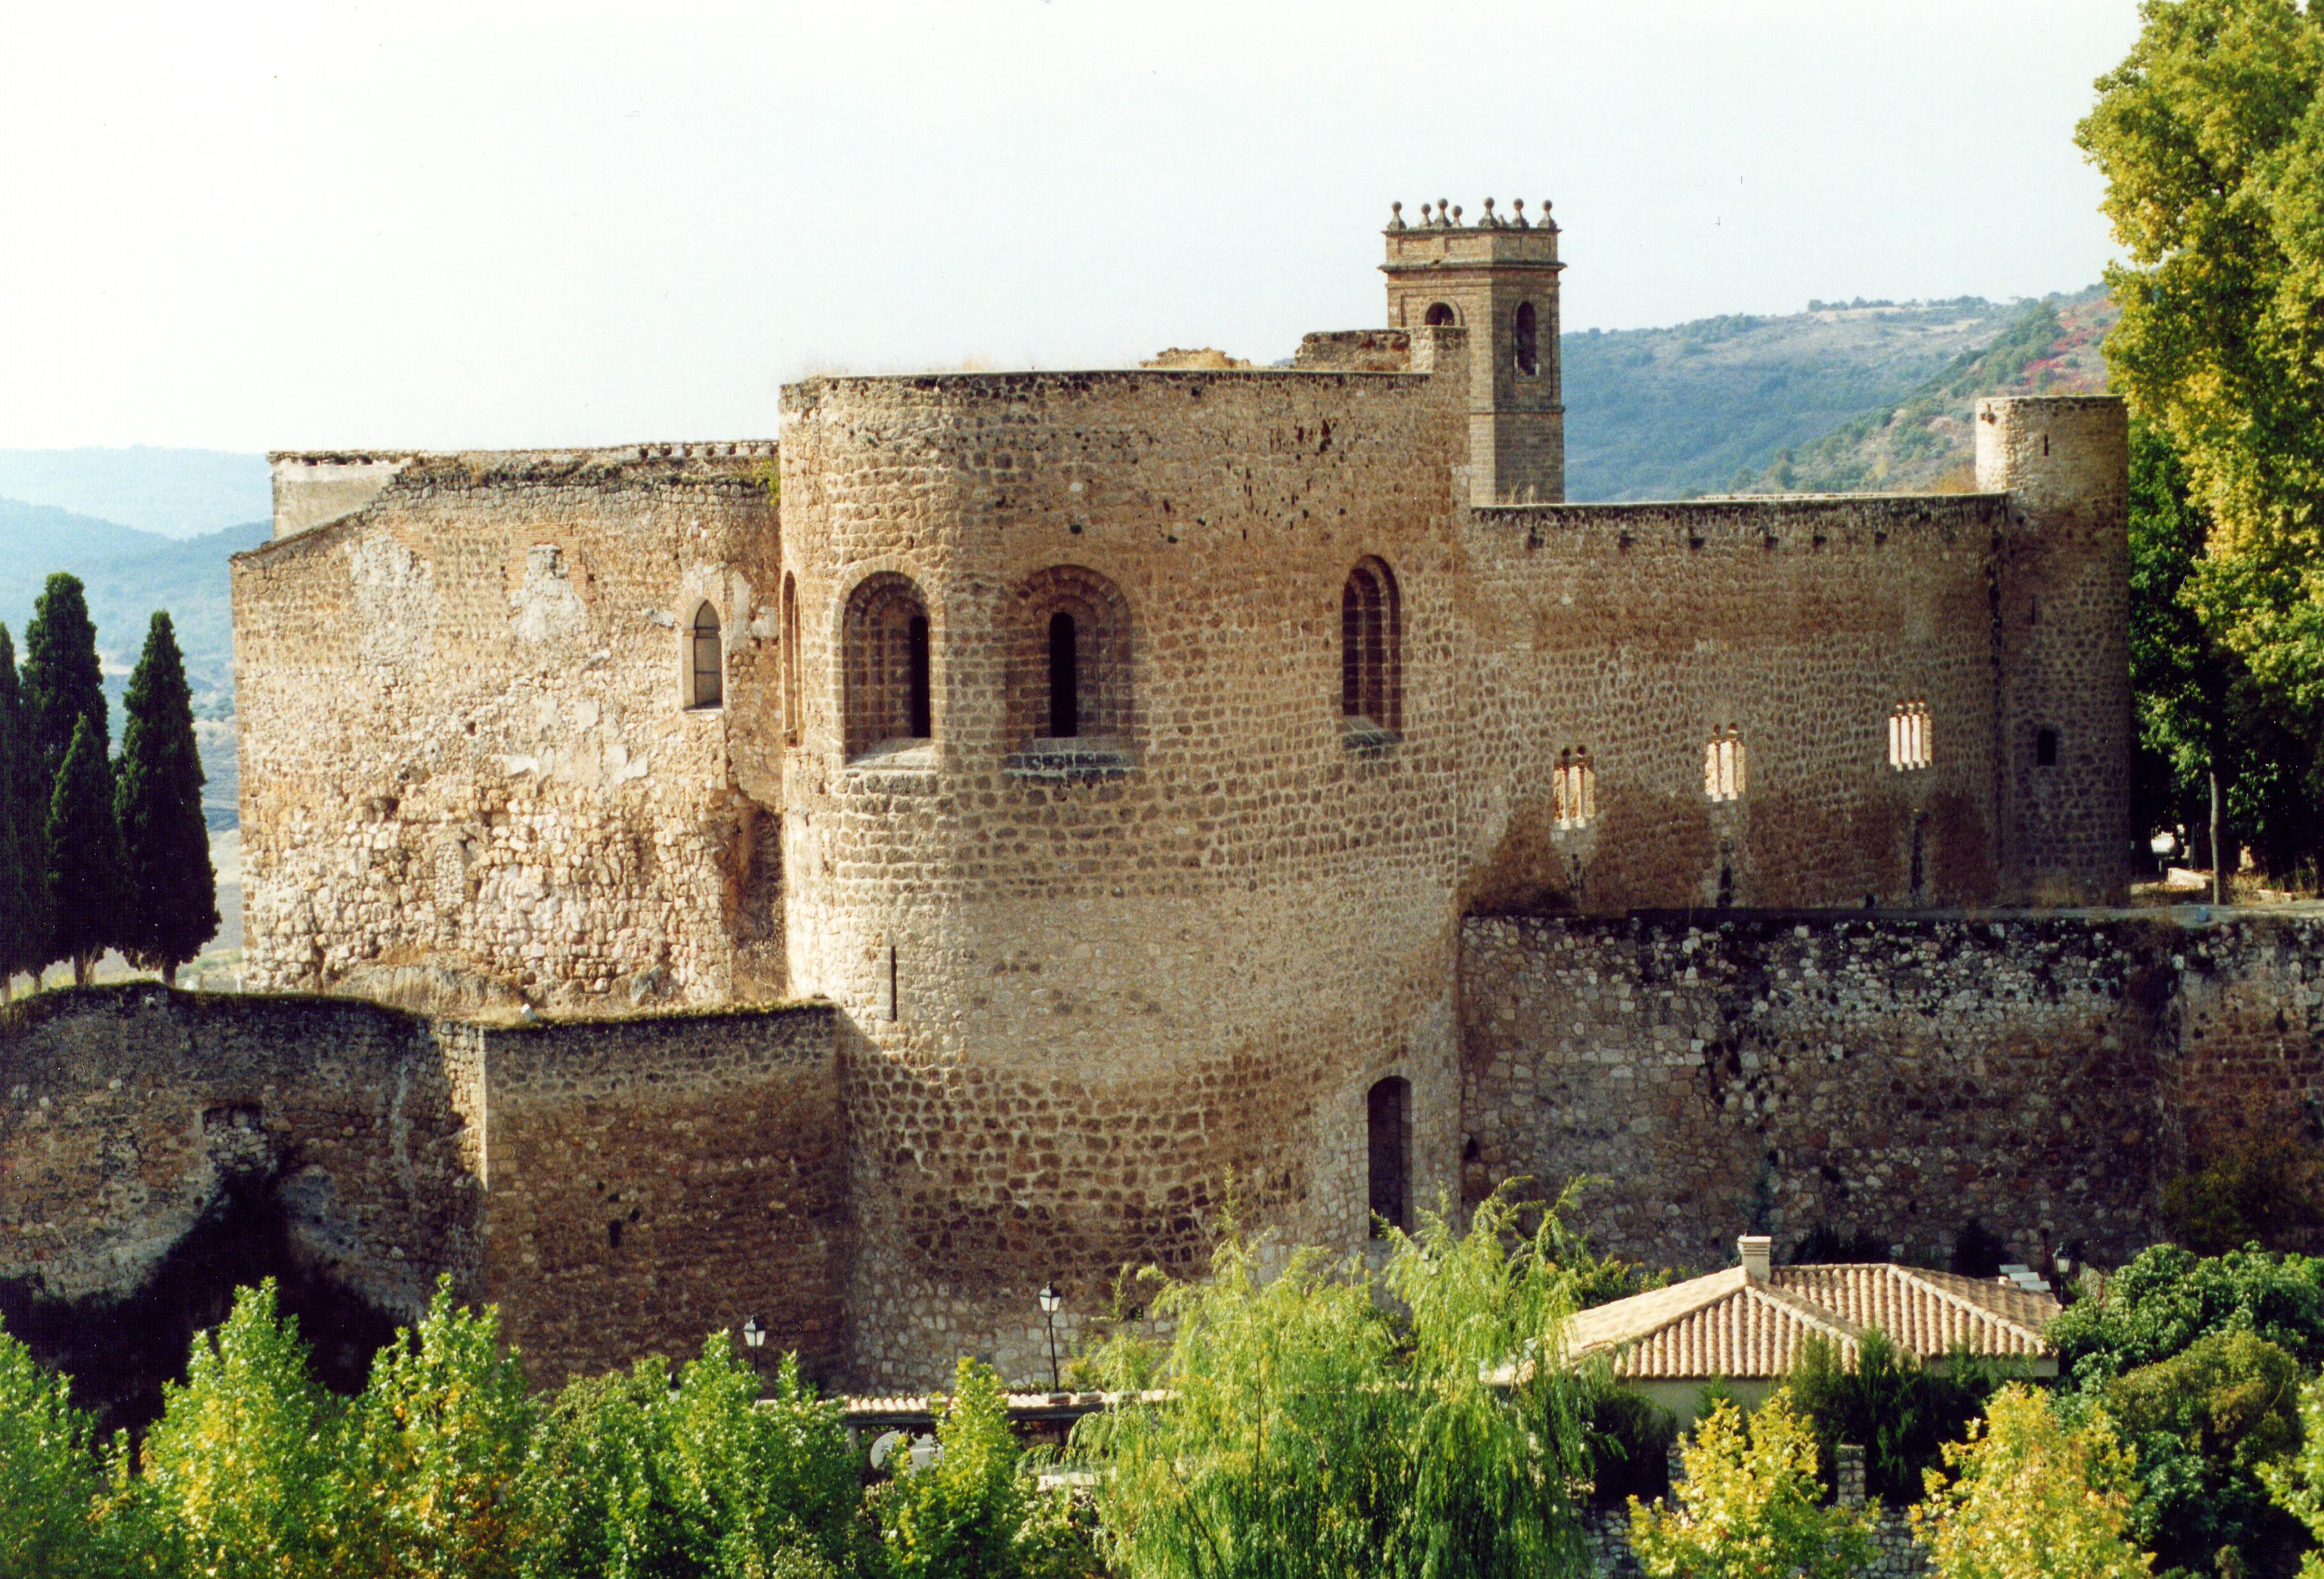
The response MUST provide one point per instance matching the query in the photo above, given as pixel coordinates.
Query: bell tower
(1497, 279)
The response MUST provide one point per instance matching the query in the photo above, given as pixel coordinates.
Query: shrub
(2297, 1481)
(2204, 1423)
(1312, 1435)
(1630, 1440)
(2032, 1498)
(2168, 1297)
(47, 1473)
(972, 1511)
(2261, 1187)
(1750, 1505)
(1898, 1411)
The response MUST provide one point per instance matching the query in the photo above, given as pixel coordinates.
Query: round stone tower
(2062, 592)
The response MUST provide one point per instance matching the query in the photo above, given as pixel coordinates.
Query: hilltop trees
(63, 682)
(85, 856)
(2211, 138)
(170, 889)
(24, 830)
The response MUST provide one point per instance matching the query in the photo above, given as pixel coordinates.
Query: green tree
(243, 1474)
(1309, 1433)
(2296, 1481)
(2211, 139)
(2167, 1299)
(63, 682)
(1900, 1412)
(2204, 1425)
(168, 889)
(435, 1449)
(2031, 1498)
(972, 1512)
(24, 831)
(85, 856)
(1750, 1507)
(48, 1473)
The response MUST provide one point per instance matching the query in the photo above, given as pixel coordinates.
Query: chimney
(1755, 1250)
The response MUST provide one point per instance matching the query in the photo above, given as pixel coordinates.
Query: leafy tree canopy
(1751, 1506)
(170, 889)
(63, 682)
(2168, 1297)
(2031, 1498)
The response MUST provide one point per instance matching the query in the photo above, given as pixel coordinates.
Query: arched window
(1371, 676)
(1722, 765)
(708, 688)
(1573, 789)
(1068, 662)
(887, 666)
(1441, 313)
(1528, 341)
(792, 722)
(1909, 744)
(1388, 1123)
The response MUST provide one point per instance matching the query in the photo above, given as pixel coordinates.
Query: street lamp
(753, 1334)
(1050, 1300)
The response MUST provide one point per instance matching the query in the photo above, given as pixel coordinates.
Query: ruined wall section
(1080, 999)
(648, 1182)
(471, 775)
(1892, 1076)
(1639, 632)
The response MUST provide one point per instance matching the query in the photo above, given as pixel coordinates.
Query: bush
(1898, 1411)
(2262, 1187)
(1751, 1506)
(972, 1512)
(2205, 1424)
(47, 1473)
(2168, 1297)
(1630, 1440)
(1314, 1435)
(2032, 1498)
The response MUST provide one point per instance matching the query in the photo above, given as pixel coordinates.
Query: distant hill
(1926, 441)
(129, 574)
(177, 493)
(1691, 409)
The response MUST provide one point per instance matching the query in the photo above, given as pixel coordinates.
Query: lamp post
(754, 1335)
(1050, 1300)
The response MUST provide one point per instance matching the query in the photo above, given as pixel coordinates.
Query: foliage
(2031, 1498)
(240, 1477)
(1593, 1279)
(84, 855)
(1630, 1438)
(1312, 1433)
(2204, 1424)
(435, 1447)
(2168, 1297)
(63, 682)
(48, 1473)
(972, 1511)
(2210, 135)
(2261, 1186)
(24, 830)
(1901, 1412)
(169, 887)
(632, 1478)
(1751, 1507)
(2297, 1481)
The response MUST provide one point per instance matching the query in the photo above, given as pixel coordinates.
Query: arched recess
(1388, 1133)
(885, 639)
(706, 661)
(1069, 660)
(1439, 314)
(1371, 649)
(1525, 341)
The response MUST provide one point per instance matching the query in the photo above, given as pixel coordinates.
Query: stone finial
(1396, 217)
(1426, 211)
(1519, 222)
(1546, 222)
(1456, 214)
(1848, 1474)
(1491, 221)
(1444, 212)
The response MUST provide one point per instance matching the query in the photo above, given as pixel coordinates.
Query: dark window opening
(918, 680)
(791, 660)
(2045, 749)
(1726, 887)
(613, 1236)
(1388, 1126)
(1440, 313)
(1065, 679)
(1371, 639)
(1920, 861)
(887, 665)
(709, 659)
(1528, 340)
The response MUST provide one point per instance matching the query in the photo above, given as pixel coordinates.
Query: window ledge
(895, 756)
(1069, 761)
(1366, 738)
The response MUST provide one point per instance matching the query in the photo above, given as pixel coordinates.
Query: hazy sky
(483, 224)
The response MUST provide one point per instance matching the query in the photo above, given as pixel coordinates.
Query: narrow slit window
(1528, 341)
(709, 688)
(1574, 790)
(1065, 678)
(1722, 766)
(1388, 1114)
(1371, 680)
(791, 685)
(1910, 743)
(918, 660)
(2045, 749)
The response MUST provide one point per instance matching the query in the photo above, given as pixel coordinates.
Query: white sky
(243, 226)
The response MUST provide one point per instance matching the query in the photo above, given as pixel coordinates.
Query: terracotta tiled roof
(1725, 1325)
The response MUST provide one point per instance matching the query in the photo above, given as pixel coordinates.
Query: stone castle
(1163, 783)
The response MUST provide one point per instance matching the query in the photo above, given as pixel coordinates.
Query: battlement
(1760, 523)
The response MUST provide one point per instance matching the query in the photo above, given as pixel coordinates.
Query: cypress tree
(85, 859)
(24, 831)
(170, 891)
(63, 682)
